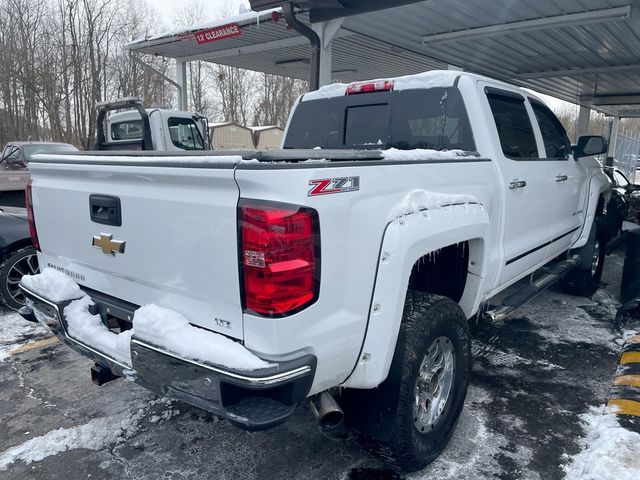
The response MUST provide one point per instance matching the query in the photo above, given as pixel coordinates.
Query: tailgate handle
(105, 210)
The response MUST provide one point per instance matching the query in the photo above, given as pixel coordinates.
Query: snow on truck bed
(163, 327)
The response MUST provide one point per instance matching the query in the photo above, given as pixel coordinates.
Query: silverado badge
(107, 245)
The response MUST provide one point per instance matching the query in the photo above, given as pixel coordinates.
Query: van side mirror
(589, 145)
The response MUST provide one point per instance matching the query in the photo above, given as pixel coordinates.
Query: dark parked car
(15, 159)
(625, 198)
(17, 255)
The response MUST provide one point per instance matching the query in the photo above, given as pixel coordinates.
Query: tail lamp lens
(280, 257)
(28, 200)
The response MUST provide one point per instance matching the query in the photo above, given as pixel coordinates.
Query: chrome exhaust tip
(327, 411)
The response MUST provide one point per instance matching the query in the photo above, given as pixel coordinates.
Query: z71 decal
(327, 186)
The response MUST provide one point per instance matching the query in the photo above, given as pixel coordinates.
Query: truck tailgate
(178, 225)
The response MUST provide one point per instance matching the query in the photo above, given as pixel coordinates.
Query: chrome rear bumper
(254, 400)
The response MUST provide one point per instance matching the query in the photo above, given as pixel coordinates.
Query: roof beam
(615, 99)
(540, 23)
(572, 72)
(296, 41)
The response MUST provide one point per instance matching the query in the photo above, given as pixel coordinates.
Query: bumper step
(258, 413)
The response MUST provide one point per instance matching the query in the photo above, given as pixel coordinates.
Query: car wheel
(584, 279)
(435, 374)
(19, 263)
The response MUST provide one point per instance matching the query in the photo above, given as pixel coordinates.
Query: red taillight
(366, 87)
(32, 223)
(280, 257)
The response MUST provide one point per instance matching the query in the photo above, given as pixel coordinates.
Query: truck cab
(126, 125)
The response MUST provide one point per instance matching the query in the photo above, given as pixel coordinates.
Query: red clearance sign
(218, 33)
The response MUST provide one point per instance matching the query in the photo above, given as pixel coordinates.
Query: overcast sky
(168, 9)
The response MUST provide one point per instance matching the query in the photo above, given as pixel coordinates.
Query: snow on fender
(418, 200)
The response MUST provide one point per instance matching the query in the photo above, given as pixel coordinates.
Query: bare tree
(277, 96)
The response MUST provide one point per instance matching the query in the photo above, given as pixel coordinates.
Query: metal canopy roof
(584, 51)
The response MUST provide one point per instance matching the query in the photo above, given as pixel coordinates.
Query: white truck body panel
(180, 225)
(181, 247)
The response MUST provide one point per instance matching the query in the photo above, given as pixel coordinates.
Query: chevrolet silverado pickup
(341, 270)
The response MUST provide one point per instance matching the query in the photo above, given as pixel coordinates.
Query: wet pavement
(533, 375)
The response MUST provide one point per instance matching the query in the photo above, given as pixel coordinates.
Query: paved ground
(532, 377)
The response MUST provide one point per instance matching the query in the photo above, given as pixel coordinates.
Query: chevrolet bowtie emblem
(107, 245)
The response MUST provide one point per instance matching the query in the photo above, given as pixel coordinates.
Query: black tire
(584, 279)
(426, 318)
(21, 262)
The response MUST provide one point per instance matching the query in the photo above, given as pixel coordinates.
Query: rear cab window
(434, 118)
(127, 130)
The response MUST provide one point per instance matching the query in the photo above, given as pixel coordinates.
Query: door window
(13, 154)
(556, 142)
(621, 180)
(185, 134)
(514, 125)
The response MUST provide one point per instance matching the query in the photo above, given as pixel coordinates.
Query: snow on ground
(14, 330)
(609, 452)
(94, 435)
(574, 319)
(473, 440)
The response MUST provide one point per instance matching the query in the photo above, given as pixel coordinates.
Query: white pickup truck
(342, 269)
(134, 127)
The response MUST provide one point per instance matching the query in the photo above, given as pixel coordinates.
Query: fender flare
(405, 241)
(597, 189)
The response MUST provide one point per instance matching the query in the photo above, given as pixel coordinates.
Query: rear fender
(406, 240)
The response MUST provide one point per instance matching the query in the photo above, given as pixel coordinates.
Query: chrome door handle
(561, 178)
(517, 184)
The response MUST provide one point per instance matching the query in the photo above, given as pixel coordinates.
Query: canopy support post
(181, 83)
(582, 127)
(326, 32)
(613, 140)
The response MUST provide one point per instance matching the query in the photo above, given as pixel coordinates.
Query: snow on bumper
(160, 326)
(166, 354)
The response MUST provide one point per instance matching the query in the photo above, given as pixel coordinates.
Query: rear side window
(514, 126)
(556, 142)
(128, 130)
(185, 134)
(434, 118)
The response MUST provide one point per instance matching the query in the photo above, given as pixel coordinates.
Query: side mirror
(589, 145)
(15, 162)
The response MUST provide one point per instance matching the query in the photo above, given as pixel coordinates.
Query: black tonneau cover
(275, 155)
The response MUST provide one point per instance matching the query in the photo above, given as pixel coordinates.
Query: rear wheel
(19, 263)
(435, 374)
(584, 279)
